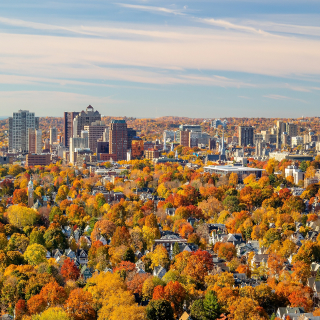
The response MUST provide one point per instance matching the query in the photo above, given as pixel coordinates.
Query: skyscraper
(34, 141)
(245, 136)
(53, 135)
(95, 132)
(118, 139)
(85, 118)
(19, 124)
(68, 127)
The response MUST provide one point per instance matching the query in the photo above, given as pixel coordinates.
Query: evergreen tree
(197, 310)
(273, 316)
(318, 275)
(211, 306)
(129, 256)
(176, 250)
(159, 310)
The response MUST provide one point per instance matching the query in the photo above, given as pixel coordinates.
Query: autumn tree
(35, 254)
(79, 305)
(21, 216)
(69, 270)
(20, 196)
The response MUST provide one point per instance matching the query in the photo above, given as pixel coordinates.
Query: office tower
(131, 134)
(186, 127)
(184, 138)
(118, 139)
(105, 136)
(19, 124)
(78, 143)
(85, 118)
(68, 127)
(282, 126)
(34, 141)
(95, 132)
(53, 135)
(292, 129)
(245, 136)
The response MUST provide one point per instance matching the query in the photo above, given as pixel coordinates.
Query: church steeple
(30, 193)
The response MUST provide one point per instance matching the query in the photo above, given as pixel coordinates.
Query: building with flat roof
(38, 159)
(241, 171)
(245, 136)
(19, 125)
(118, 139)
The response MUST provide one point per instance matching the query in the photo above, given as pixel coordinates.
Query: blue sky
(255, 58)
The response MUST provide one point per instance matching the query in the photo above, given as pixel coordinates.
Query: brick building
(38, 160)
(118, 139)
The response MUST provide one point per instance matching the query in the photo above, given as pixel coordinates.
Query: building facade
(118, 139)
(53, 135)
(68, 127)
(19, 125)
(245, 136)
(95, 133)
(34, 141)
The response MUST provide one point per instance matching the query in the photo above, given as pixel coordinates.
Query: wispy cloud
(280, 97)
(152, 9)
(53, 102)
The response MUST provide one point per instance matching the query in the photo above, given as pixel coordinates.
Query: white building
(296, 141)
(294, 172)
(19, 124)
(53, 135)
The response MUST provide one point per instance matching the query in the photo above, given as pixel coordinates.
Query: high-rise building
(292, 129)
(34, 141)
(53, 135)
(131, 134)
(68, 127)
(19, 125)
(118, 139)
(85, 118)
(245, 136)
(95, 132)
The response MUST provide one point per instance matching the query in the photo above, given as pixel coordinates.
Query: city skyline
(151, 59)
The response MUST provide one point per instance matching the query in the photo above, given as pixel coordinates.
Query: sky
(199, 59)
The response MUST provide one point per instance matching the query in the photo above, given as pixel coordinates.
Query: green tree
(206, 309)
(35, 254)
(318, 275)
(36, 236)
(197, 310)
(176, 249)
(129, 255)
(159, 310)
(211, 306)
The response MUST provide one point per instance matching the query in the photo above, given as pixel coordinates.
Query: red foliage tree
(69, 270)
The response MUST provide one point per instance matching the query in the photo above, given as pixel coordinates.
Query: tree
(36, 304)
(36, 236)
(35, 254)
(104, 228)
(20, 196)
(54, 238)
(159, 310)
(20, 309)
(160, 257)
(53, 294)
(175, 294)
(69, 270)
(233, 179)
(54, 313)
(121, 237)
(176, 249)
(21, 216)
(18, 242)
(211, 306)
(197, 310)
(79, 305)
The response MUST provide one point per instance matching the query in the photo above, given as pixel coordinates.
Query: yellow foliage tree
(21, 216)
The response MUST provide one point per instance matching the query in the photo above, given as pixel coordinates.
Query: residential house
(168, 242)
(82, 256)
(159, 272)
(283, 312)
(258, 259)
